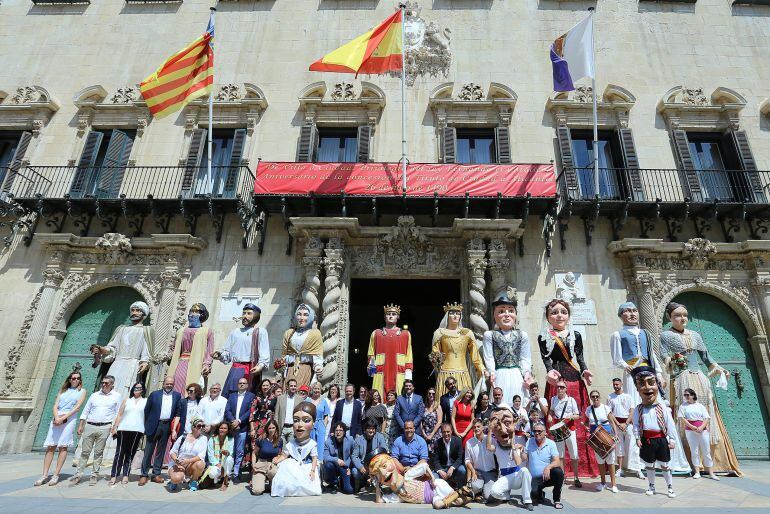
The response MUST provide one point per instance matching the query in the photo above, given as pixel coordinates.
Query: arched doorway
(742, 406)
(93, 321)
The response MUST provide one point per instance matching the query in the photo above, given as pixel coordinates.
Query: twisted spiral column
(499, 264)
(312, 261)
(647, 320)
(164, 327)
(333, 265)
(477, 266)
(35, 339)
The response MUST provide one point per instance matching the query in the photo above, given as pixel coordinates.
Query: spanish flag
(377, 51)
(182, 78)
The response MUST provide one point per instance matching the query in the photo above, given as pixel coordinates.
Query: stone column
(646, 304)
(164, 327)
(312, 261)
(36, 335)
(499, 264)
(333, 265)
(477, 266)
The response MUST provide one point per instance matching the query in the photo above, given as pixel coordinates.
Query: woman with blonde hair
(62, 428)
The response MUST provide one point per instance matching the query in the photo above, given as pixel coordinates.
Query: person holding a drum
(564, 413)
(602, 426)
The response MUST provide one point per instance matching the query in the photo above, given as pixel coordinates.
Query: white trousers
(699, 444)
(506, 486)
(570, 444)
(483, 484)
(215, 472)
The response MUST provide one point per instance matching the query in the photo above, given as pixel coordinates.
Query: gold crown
(453, 307)
(392, 307)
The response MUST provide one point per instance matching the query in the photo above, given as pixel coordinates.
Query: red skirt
(577, 389)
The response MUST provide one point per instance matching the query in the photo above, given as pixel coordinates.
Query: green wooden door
(743, 412)
(94, 321)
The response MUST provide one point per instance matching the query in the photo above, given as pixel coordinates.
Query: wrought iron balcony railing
(665, 185)
(132, 182)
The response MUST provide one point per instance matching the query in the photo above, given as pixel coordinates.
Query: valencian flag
(572, 56)
(183, 77)
(377, 51)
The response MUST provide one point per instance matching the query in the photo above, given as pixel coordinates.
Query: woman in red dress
(462, 416)
(562, 351)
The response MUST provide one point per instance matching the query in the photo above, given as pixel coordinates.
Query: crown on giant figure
(457, 307)
(392, 307)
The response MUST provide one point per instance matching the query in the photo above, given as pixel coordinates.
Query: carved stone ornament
(343, 91)
(698, 251)
(228, 93)
(471, 92)
(14, 354)
(694, 96)
(25, 95)
(583, 94)
(427, 46)
(116, 246)
(124, 95)
(405, 247)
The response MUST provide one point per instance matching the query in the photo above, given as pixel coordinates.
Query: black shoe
(578, 484)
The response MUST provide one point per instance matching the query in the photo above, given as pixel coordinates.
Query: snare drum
(602, 442)
(560, 431)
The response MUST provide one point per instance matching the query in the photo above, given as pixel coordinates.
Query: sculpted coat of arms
(427, 46)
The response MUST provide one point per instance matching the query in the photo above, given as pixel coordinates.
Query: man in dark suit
(237, 414)
(448, 399)
(447, 461)
(160, 411)
(409, 407)
(348, 410)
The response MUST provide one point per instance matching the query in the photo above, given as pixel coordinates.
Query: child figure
(297, 473)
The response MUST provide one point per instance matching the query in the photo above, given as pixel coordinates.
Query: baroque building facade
(102, 205)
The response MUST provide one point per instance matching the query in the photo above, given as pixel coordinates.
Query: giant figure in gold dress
(456, 343)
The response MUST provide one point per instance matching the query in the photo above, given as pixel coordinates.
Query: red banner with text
(384, 179)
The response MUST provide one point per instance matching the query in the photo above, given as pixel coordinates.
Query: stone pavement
(18, 472)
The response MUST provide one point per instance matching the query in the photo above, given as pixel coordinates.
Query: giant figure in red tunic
(390, 354)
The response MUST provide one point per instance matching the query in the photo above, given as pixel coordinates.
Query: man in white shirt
(212, 408)
(621, 404)
(349, 411)
(94, 427)
(564, 408)
(479, 462)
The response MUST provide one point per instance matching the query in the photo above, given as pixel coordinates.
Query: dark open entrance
(421, 304)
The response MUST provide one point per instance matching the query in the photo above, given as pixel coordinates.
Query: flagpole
(596, 122)
(211, 119)
(403, 97)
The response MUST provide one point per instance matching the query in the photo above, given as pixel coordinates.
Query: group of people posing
(454, 444)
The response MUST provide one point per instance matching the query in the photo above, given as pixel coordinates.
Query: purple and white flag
(572, 56)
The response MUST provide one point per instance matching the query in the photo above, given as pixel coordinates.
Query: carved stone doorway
(421, 302)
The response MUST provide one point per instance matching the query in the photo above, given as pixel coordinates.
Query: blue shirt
(266, 449)
(409, 453)
(540, 456)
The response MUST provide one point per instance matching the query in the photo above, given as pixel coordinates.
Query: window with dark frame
(337, 145)
(9, 140)
(712, 155)
(102, 163)
(475, 146)
(610, 162)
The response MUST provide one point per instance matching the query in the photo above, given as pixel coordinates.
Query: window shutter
(631, 163)
(18, 157)
(686, 164)
(86, 163)
(567, 161)
(239, 143)
(364, 143)
(748, 164)
(503, 145)
(115, 162)
(308, 134)
(449, 144)
(194, 156)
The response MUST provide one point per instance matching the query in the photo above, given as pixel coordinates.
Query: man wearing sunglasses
(544, 465)
(95, 425)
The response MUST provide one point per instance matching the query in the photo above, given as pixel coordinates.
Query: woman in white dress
(62, 428)
(297, 473)
(331, 400)
(129, 429)
(695, 421)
